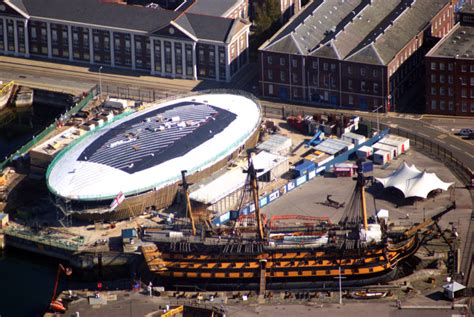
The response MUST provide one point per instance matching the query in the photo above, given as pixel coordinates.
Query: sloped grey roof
(136, 18)
(367, 31)
(406, 26)
(99, 13)
(286, 45)
(209, 27)
(212, 7)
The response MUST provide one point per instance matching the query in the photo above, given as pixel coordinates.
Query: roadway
(76, 79)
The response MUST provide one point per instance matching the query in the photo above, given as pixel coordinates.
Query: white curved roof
(75, 177)
(412, 182)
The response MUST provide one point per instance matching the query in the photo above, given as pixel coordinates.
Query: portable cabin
(389, 148)
(354, 138)
(303, 168)
(364, 152)
(381, 157)
(404, 142)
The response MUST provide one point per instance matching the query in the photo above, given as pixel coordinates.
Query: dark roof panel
(212, 7)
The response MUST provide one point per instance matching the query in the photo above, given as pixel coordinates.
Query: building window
(315, 79)
(442, 91)
(295, 78)
(441, 66)
(282, 61)
(294, 62)
(450, 79)
(441, 79)
(374, 73)
(351, 100)
(325, 66)
(472, 93)
(464, 93)
(269, 60)
(472, 106)
(362, 85)
(333, 67)
(450, 91)
(282, 76)
(471, 68)
(472, 81)
(433, 66)
(270, 89)
(376, 88)
(349, 84)
(433, 91)
(349, 69)
(433, 78)
(450, 66)
(270, 75)
(442, 105)
(433, 104)
(315, 65)
(450, 105)
(463, 68)
(464, 106)
(362, 71)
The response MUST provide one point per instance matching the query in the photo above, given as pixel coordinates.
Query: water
(26, 283)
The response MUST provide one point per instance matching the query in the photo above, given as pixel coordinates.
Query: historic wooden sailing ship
(355, 251)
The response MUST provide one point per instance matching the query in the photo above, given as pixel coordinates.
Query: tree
(267, 15)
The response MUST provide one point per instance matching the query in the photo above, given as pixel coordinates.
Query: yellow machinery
(173, 312)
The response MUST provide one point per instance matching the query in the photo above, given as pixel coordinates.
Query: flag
(117, 201)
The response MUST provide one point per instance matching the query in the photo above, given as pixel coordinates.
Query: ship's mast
(188, 202)
(361, 183)
(252, 172)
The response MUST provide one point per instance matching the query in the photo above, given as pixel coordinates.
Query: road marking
(441, 141)
(442, 136)
(393, 125)
(470, 154)
(453, 146)
(425, 135)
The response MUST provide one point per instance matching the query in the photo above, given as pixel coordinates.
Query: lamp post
(100, 82)
(340, 285)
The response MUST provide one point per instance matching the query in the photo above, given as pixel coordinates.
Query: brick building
(356, 54)
(162, 42)
(450, 70)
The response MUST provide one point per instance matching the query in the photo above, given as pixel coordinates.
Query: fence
(141, 94)
(39, 138)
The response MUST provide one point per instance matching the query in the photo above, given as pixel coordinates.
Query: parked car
(465, 132)
(470, 136)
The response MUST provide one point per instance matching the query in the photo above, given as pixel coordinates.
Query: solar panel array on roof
(157, 136)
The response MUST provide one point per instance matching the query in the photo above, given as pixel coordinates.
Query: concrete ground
(128, 304)
(306, 199)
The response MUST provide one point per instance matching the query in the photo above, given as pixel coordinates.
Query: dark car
(470, 136)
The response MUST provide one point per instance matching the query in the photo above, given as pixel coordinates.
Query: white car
(465, 132)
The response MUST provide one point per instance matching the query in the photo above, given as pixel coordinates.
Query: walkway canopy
(412, 182)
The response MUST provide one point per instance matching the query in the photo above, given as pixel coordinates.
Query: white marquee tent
(412, 182)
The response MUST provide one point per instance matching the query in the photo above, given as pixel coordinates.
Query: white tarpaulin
(412, 182)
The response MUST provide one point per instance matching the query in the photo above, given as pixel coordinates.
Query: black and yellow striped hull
(294, 265)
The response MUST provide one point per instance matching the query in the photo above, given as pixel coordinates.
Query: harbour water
(26, 285)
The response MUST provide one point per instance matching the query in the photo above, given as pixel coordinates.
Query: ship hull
(302, 267)
(298, 283)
